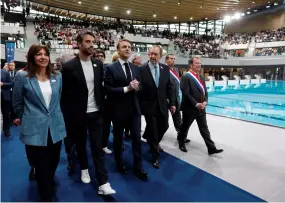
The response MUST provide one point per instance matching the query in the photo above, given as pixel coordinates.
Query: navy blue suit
(6, 100)
(124, 109)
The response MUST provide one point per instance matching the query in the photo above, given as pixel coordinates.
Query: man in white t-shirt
(83, 108)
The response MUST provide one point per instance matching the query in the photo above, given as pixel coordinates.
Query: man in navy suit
(122, 85)
(156, 90)
(6, 85)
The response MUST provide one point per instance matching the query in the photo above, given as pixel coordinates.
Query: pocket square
(53, 80)
(94, 65)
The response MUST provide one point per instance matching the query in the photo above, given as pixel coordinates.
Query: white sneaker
(106, 189)
(85, 176)
(107, 151)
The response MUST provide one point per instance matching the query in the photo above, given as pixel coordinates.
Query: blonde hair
(115, 56)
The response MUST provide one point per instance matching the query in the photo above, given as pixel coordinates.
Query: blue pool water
(264, 104)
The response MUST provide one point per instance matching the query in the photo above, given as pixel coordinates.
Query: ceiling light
(163, 1)
(191, 18)
(227, 18)
(269, 2)
(217, 8)
(233, 9)
(275, 4)
(175, 17)
(248, 8)
(128, 11)
(201, 6)
(267, 6)
(178, 3)
(237, 16)
(253, 2)
(106, 8)
(154, 15)
(206, 18)
(255, 11)
(79, 2)
(242, 14)
(248, 12)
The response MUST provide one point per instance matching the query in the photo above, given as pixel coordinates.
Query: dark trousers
(30, 156)
(134, 124)
(46, 161)
(200, 117)
(176, 117)
(156, 126)
(5, 110)
(94, 124)
(70, 150)
(106, 130)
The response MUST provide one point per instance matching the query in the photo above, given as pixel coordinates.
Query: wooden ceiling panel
(165, 12)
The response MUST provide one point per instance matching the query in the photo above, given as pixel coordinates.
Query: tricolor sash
(174, 75)
(197, 81)
(176, 78)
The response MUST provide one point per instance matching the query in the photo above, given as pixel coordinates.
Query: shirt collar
(122, 62)
(152, 65)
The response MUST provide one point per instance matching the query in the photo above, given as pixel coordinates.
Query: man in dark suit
(175, 80)
(6, 85)
(194, 102)
(12, 73)
(156, 88)
(82, 107)
(122, 84)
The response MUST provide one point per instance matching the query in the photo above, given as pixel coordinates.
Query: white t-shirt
(89, 77)
(46, 91)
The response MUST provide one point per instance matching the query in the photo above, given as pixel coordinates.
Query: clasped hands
(134, 85)
(201, 106)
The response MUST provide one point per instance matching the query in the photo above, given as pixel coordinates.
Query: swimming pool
(264, 104)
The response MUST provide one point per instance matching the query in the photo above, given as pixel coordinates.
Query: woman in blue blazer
(36, 102)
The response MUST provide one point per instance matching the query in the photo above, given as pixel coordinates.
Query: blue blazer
(7, 85)
(36, 118)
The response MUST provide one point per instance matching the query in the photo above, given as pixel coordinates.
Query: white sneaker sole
(102, 193)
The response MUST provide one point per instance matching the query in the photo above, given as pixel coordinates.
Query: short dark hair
(191, 60)
(100, 51)
(122, 40)
(167, 56)
(81, 35)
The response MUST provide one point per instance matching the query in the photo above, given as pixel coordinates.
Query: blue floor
(175, 181)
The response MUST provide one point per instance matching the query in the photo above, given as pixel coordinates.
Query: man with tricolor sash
(194, 102)
(175, 80)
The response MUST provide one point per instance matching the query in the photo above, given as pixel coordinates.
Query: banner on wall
(10, 50)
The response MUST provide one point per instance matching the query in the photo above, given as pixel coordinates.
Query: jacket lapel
(150, 75)
(79, 72)
(160, 74)
(53, 83)
(120, 69)
(35, 85)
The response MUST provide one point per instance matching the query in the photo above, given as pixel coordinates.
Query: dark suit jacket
(74, 97)
(7, 85)
(153, 98)
(176, 88)
(191, 94)
(121, 105)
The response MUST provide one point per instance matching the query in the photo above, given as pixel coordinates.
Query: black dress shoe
(141, 174)
(32, 174)
(215, 151)
(155, 164)
(122, 169)
(185, 141)
(183, 148)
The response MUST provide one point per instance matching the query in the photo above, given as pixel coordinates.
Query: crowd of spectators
(270, 51)
(270, 35)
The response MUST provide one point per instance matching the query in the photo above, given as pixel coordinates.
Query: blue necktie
(156, 75)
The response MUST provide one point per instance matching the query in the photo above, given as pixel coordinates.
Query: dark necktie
(128, 72)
